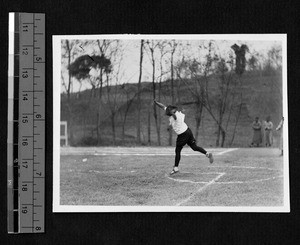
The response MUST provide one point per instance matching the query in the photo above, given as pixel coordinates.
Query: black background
(158, 17)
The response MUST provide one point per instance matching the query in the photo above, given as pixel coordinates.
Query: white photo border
(56, 39)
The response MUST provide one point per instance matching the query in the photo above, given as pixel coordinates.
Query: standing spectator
(280, 126)
(257, 136)
(268, 130)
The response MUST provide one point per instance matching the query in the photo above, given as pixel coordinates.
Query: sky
(128, 67)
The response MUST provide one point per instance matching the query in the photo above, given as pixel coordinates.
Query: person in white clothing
(280, 127)
(268, 131)
(184, 134)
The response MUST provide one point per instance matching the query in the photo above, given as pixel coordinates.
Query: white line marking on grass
(191, 181)
(145, 154)
(119, 151)
(229, 182)
(246, 167)
(115, 171)
(201, 189)
(250, 181)
(188, 181)
(226, 151)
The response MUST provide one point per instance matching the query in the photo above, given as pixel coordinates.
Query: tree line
(193, 66)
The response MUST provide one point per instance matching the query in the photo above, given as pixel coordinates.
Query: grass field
(140, 177)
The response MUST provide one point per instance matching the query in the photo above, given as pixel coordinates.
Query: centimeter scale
(26, 123)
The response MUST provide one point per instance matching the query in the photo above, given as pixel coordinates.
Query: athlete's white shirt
(178, 125)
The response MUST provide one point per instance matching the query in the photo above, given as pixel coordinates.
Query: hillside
(261, 97)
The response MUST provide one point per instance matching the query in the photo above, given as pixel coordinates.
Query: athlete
(184, 134)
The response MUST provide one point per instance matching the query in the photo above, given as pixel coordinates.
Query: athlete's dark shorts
(186, 137)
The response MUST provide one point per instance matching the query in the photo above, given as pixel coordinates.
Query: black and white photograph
(150, 122)
(170, 123)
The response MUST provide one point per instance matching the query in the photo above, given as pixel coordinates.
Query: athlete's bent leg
(198, 148)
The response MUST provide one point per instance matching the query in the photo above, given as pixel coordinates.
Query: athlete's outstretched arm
(162, 106)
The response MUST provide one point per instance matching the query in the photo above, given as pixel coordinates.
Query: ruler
(26, 123)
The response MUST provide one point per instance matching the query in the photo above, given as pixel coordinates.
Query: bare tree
(240, 64)
(152, 46)
(107, 50)
(81, 68)
(192, 69)
(112, 101)
(139, 94)
(223, 97)
(68, 49)
(173, 45)
(162, 54)
(213, 68)
(114, 93)
(198, 70)
(130, 96)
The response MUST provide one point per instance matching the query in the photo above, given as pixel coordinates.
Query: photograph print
(170, 123)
